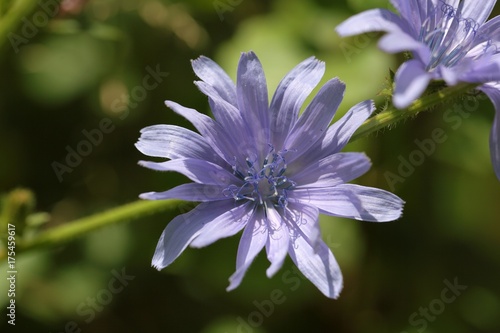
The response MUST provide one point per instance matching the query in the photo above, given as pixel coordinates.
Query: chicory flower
(450, 40)
(260, 168)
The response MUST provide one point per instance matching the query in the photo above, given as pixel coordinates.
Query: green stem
(66, 232)
(392, 115)
(12, 17)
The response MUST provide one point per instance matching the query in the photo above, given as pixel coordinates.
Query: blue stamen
(267, 185)
(448, 35)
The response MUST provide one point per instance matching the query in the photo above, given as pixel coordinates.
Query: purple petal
(313, 123)
(189, 192)
(399, 41)
(173, 142)
(252, 242)
(449, 75)
(199, 171)
(371, 20)
(352, 201)
(213, 133)
(493, 92)
(486, 69)
(333, 170)
(337, 136)
(303, 222)
(226, 225)
(291, 94)
(410, 10)
(277, 241)
(477, 10)
(211, 73)
(318, 265)
(181, 231)
(411, 81)
(230, 119)
(252, 97)
(489, 30)
(308, 251)
(224, 112)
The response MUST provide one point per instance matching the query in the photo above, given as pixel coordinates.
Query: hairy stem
(392, 115)
(80, 227)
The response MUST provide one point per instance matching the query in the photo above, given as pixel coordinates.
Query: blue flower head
(450, 40)
(260, 168)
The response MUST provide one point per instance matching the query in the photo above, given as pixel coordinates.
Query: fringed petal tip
(158, 268)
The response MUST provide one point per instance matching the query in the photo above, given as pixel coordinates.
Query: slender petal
(309, 253)
(226, 225)
(303, 222)
(291, 94)
(485, 70)
(172, 142)
(319, 266)
(214, 134)
(225, 113)
(181, 231)
(371, 20)
(316, 118)
(252, 242)
(411, 81)
(230, 119)
(337, 135)
(252, 96)
(352, 201)
(340, 132)
(333, 170)
(189, 192)
(493, 92)
(478, 10)
(489, 30)
(410, 11)
(199, 171)
(211, 73)
(277, 241)
(399, 41)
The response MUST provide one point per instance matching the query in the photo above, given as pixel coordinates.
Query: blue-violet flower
(260, 168)
(450, 40)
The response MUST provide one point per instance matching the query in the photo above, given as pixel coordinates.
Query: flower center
(265, 184)
(448, 35)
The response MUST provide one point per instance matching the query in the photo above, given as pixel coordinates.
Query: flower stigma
(263, 184)
(448, 35)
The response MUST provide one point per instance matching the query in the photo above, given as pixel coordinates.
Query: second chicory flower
(450, 40)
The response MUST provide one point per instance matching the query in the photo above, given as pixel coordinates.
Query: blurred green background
(88, 63)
